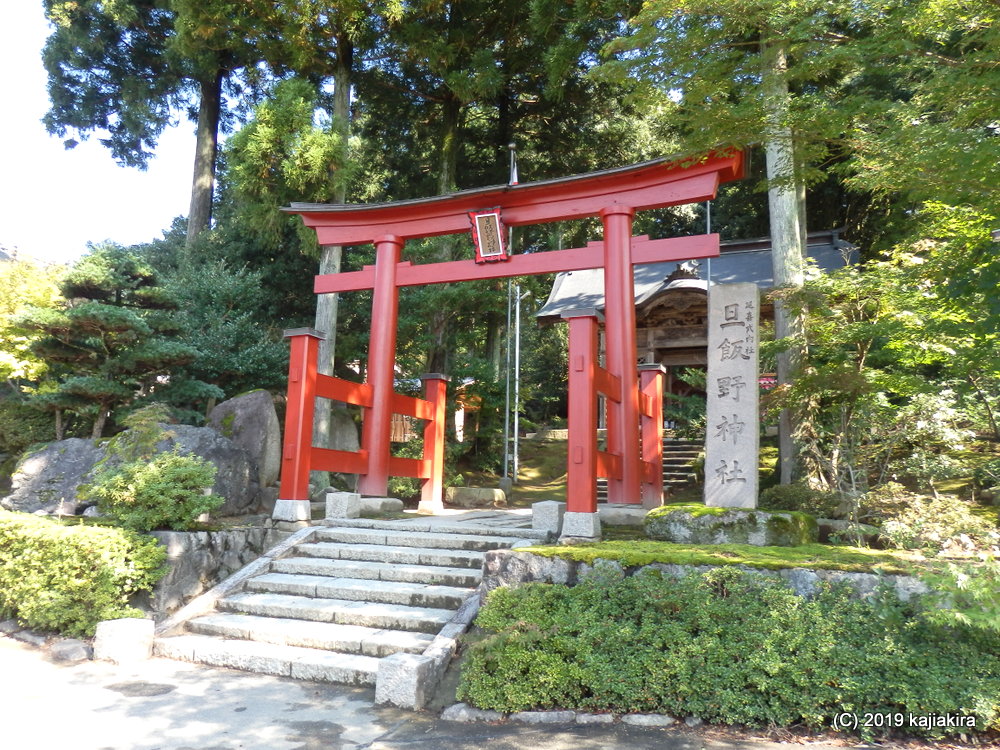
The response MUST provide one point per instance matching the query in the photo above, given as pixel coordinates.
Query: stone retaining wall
(513, 567)
(198, 560)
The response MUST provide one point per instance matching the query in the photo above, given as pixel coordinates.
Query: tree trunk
(60, 429)
(206, 148)
(330, 255)
(439, 355)
(787, 233)
(99, 422)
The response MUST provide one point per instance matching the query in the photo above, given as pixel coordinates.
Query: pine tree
(114, 337)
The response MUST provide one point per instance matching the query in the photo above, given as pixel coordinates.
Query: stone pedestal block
(403, 680)
(581, 526)
(124, 641)
(343, 505)
(548, 516)
(291, 510)
(475, 497)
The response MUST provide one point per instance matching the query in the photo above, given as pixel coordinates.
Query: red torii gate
(614, 195)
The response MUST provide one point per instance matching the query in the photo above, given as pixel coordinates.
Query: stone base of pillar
(429, 506)
(292, 510)
(582, 526)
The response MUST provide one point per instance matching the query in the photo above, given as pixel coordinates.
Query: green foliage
(165, 492)
(727, 647)
(114, 338)
(22, 425)
(219, 316)
(799, 496)
(936, 522)
(966, 593)
(23, 284)
(69, 578)
(987, 475)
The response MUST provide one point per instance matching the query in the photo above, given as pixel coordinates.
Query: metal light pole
(506, 403)
(517, 372)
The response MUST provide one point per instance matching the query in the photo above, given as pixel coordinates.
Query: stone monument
(732, 429)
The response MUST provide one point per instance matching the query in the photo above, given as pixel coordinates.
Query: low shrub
(727, 647)
(987, 475)
(800, 497)
(69, 578)
(165, 492)
(939, 522)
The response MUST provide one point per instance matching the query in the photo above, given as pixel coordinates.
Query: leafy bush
(934, 522)
(69, 578)
(727, 647)
(165, 492)
(967, 593)
(987, 475)
(800, 497)
(883, 502)
(22, 425)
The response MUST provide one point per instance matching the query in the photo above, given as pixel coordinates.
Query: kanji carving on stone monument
(732, 437)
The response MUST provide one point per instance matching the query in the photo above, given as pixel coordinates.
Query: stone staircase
(677, 472)
(331, 607)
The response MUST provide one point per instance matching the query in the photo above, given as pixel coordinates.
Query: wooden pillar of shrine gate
(293, 495)
(651, 382)
(381, 370)
(620, 352)
(581, 445)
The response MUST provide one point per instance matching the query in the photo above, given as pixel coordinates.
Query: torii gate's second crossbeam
(614, 195)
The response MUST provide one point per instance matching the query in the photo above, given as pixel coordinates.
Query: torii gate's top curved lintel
(653, 184)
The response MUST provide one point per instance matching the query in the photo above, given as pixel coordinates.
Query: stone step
(326, 636)
(268, 658)
(378, 571)
(404, 555)
(355, 589)
(517, 532)
(407, 538)
(340, 611)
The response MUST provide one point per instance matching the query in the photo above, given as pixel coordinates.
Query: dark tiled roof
(739, 260)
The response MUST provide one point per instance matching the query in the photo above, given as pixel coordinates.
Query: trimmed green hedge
(69, 578)
(728, 647)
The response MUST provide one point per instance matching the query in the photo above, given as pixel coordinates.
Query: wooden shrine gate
(631, 463)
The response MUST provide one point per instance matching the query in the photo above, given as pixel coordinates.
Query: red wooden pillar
(651, 380)
(293, 495)
(619, 309)
(581, 470)
(435, 391)
(377, 427)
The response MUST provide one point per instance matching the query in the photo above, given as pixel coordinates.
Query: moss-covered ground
(635, 551)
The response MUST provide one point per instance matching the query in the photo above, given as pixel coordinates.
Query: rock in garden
(69, 651)
(698, 524)
(50, 476)
(233, 465)
(251, 422)
(475, 497)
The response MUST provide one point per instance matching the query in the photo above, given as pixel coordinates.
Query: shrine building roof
(738, 261)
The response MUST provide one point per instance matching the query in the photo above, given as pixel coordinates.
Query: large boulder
(48, 479)
(251, 422)
(233, 477)
(699, 524)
